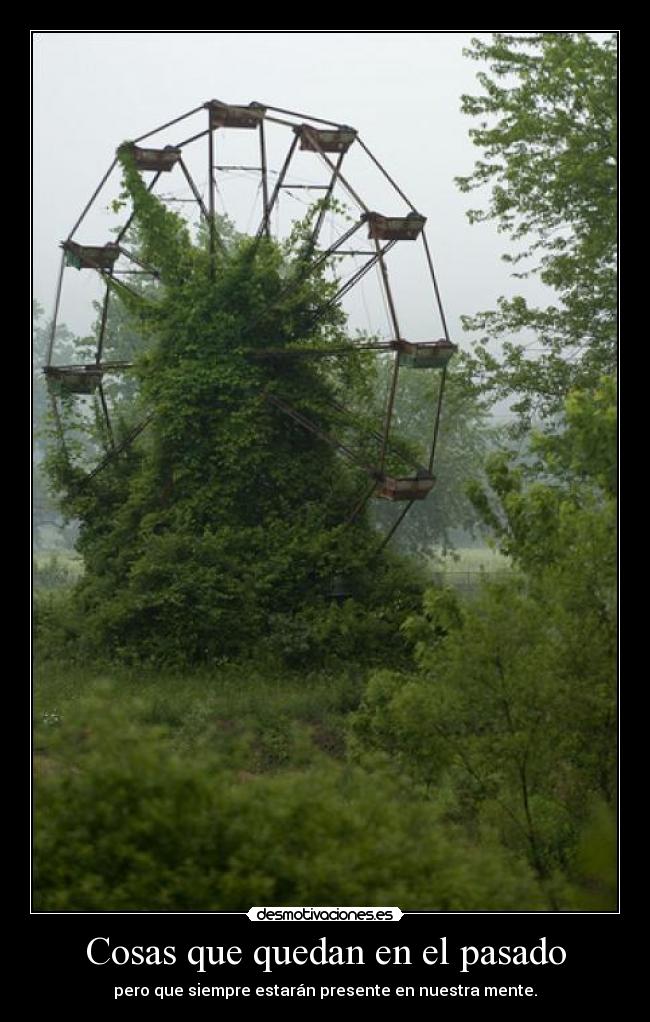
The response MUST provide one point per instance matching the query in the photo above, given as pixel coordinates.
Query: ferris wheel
(279, 154)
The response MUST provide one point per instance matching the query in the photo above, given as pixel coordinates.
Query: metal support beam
(102, 326)
(311, 427)
(192, 138)
(109, 430)
(361, 503)
(332, 166)
(196, 193)
(393, 386)
(265, 184)
(126, 442)
(435, 286)
(266, 219)
(128, 223)
(307, 117)
(138, 262)
(311, 245)
(92, 199)
(211, 223)
(396, 524)
(168, 124)
(386, 175)
(359, 274)
(436, 426)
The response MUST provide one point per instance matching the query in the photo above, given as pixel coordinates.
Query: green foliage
(548, 133)
(223, 527)
(513, 710)
(124, 823)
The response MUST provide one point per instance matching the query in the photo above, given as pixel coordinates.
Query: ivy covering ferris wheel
(360, 246)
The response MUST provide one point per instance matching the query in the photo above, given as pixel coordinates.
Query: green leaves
(221, 528)
(548, 136)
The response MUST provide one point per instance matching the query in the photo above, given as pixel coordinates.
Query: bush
(125, 823)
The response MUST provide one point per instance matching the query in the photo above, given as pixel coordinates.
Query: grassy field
(265, 721)
(55, 568)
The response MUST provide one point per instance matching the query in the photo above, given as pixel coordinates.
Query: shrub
(125, 823)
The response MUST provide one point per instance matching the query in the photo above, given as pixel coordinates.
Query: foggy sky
(401, 91)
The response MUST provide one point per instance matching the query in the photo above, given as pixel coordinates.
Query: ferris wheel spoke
(107, 418)
(168, 124)
(312, 135)
(311, 245)
(102, 326)
(266, 218)
(128, 223)
(92, 199)
(195, 191)
(436, 425)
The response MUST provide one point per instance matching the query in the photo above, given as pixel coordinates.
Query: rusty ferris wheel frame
(330, 142)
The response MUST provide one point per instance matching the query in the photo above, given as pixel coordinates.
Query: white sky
(401, 91)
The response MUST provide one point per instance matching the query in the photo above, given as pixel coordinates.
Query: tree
(224, 526)
(44, 506)
(512, 715)
(548, 133)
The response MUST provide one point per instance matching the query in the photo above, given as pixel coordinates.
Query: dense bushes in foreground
(124, 822)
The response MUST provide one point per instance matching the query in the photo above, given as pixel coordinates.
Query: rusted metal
(168, 124)
(386, 174)
(331, 250)
(361, 503)
(92, 199)
(159, 160)
(265, 184)
(323, 155)
(395, 228)
(311, 427)
(91, 257)
(307, 117)
(109, 366)
(435, 286)
(321, 215)
(282, 353)
(397, 488)
(138, 262)
(266, 218)
(74, 379)
(211, 185)
(224, 115)
(107, 418)
(436, 426)
(122, 446)
(358, 275)
(425, 354)
(57, 302)
(196, 193)
(336, 140)
(396, 524)
(393, 447)
(393, 385)
(102, 327)
(192, 138)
